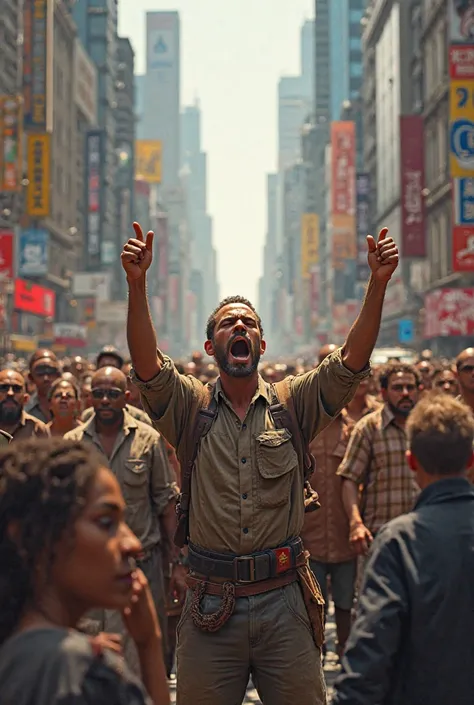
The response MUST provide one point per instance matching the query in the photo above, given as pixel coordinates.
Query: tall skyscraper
(322, 77)
(307, 58)
(161, 117)
(140, 81)
(345, 45)
(293, 109)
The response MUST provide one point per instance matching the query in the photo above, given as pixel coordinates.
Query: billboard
(309, 243)
(449, 312)
(461, 61)
(162, 40)
(148, 161)
(413, 238)
(6, 254)
(72, 335)
(90, 284)
(85, 83)
(362, 224)
(93, 184)
(461, 128)
(38, 41)
(33, 253)
(39, 175)
(461, 21)
(33, 298)
(10, 143)
(343, 151)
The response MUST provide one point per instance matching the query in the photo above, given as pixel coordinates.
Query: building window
(355, 43)
(355, 70)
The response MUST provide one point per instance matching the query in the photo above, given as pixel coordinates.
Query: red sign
(33, 298)
(343, 168)
(449, 312)
(463, 249)
(6, 254)
(412, 184)
(461, 61)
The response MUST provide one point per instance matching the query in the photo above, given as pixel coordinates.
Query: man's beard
(109, 417)
(237, 370)
(11, 414)
(404, 412)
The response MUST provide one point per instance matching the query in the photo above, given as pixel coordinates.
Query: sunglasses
(43, 371)
(16, 388)
(113, 394)
(467, 368)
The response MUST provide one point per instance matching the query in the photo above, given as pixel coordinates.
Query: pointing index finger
(138, 231)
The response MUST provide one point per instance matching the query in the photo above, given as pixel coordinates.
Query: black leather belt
(247, 569)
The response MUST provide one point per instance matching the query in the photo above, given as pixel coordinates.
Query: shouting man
(245, 612)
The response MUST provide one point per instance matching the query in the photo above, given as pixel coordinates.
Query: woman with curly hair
(65, 549)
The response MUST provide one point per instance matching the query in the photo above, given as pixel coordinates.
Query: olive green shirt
(140, 464)
(134, 412)
(247, 489)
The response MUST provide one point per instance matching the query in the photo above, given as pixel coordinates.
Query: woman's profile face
(93, 563)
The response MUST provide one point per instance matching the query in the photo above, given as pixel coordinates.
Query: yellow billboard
(148, 161)
(461, 128)
(38, 195)
(309, 243)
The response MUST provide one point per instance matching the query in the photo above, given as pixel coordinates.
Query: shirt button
(246, 530)
(244, 426)
(244, 460)
(244, 496)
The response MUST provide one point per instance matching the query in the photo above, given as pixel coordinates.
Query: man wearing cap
(44, 370)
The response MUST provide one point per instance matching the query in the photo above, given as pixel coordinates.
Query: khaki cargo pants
(268, 636)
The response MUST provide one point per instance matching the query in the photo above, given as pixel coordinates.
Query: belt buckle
(245, 559)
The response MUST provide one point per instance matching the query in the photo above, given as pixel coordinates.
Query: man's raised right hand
(137, 253)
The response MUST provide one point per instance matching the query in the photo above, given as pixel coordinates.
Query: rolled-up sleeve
(162, 480)
(168, 399)
(320, 395)
(355, 464)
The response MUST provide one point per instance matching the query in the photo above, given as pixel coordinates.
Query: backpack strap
(284, 415)
(204, 418)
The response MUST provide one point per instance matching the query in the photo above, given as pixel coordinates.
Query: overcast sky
(232, 55)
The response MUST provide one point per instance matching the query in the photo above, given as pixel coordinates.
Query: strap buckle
(244, 559)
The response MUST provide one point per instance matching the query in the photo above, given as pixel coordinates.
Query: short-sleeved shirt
(51, 666)
(141, 467)
(247, 488)
(30, 427)
(375, 458)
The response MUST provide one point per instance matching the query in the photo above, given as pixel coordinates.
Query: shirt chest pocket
(277, 462)
(135, 479)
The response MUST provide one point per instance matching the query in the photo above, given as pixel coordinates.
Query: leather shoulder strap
(283, 412)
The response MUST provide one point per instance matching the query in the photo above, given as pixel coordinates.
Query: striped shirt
(375, 458)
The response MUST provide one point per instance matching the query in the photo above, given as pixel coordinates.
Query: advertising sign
(72, 335)
(406, 330)
(92, 284)
(34, 253)
(362, 224)
(39, 178)
(148, 161)
(309, 243)
(162, 40)
(94, 149)
(449, 312)
(85, 83)
(461, 62)
(463, 249)
(38, 64)
(33, 298)
(461, 21)
(461, 128)
(343, 150)
(413, 240)
(463, 195)
(10, 143)
(6, 254)
(343, 248)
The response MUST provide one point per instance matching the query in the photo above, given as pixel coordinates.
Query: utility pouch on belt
(314, 602)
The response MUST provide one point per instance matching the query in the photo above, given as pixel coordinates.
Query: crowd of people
(206, 512)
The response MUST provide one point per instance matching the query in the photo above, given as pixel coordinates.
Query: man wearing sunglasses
(44, 370)
(134, 452)
(13, 417)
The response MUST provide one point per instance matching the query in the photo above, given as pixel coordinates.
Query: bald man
(13, 417)
(134, 452)
(465, 375)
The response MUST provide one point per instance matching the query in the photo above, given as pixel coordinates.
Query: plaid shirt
(375, 458)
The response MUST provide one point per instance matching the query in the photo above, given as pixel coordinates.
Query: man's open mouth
(240, 349)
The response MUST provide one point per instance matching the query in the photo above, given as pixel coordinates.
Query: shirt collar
(128, 424)
(445, 489)
(263, 390)
(387, 416)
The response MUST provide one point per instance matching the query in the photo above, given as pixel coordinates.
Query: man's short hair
(440, 432)
(394, 368)
(211, 321)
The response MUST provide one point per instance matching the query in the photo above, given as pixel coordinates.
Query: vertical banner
(309, 243)
(413, 240)
(343, 196)
(93, 198)
(10, 143)
(38, 44)
(148, 161)
(38, 195)
(362, 225)
(461, 132)
(6, 255)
